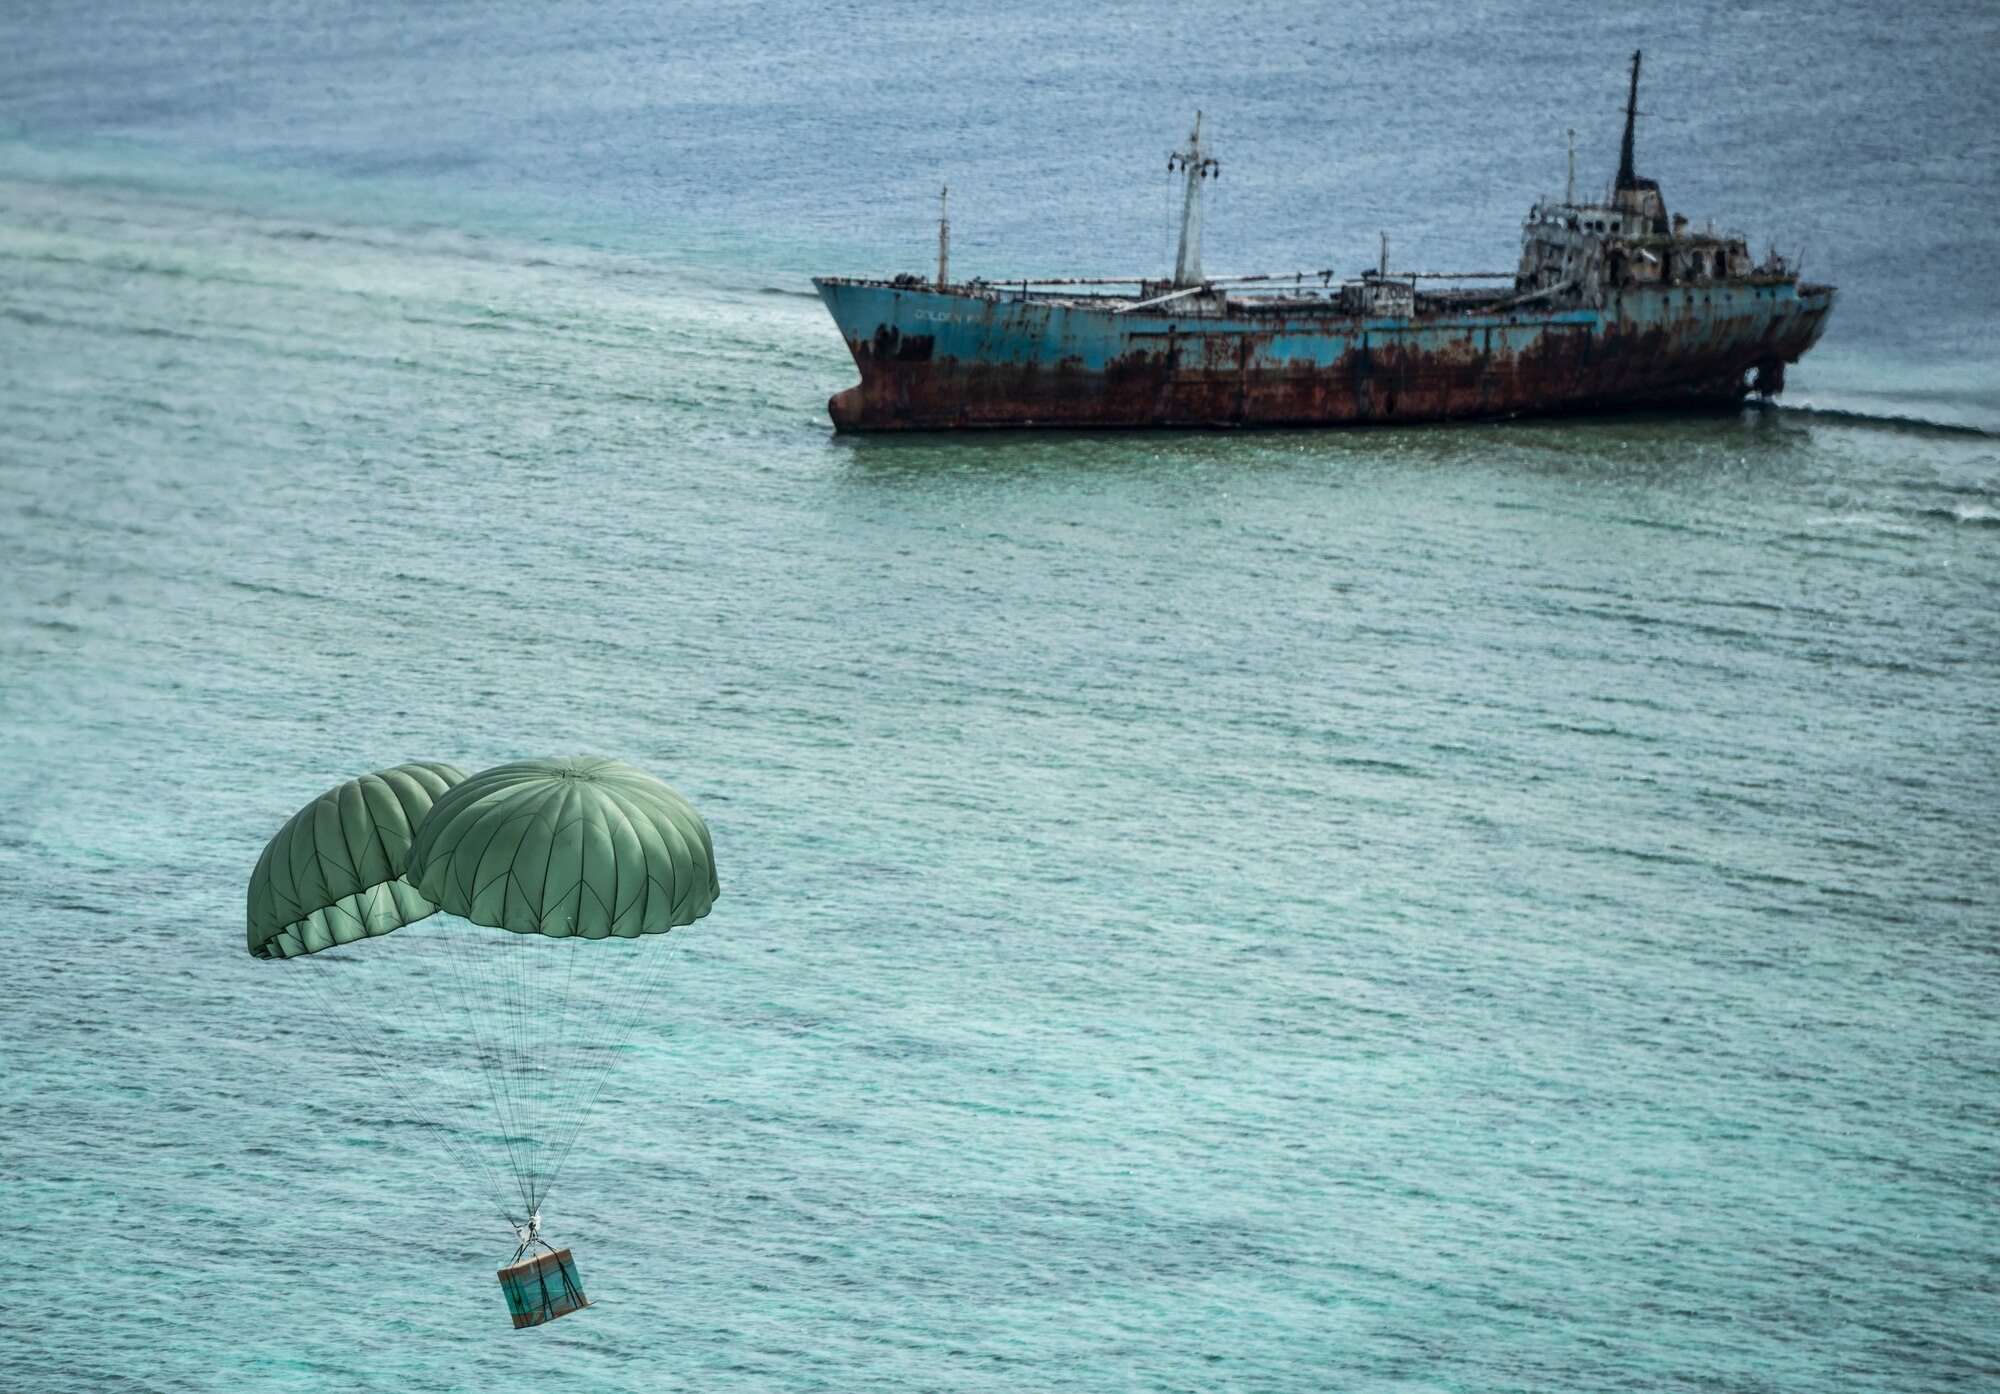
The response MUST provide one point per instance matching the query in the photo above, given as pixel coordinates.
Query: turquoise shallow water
(1475, 909)
(1487, 908)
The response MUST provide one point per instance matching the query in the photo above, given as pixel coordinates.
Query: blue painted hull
(964, 357)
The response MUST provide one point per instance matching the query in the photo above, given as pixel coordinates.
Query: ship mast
(1627, 178)
(944, 236)
(1187, 265)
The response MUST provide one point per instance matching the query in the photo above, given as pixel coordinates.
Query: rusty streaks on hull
(1665, 349)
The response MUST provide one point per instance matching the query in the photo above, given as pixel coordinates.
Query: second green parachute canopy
(334, 872)
(573, 845)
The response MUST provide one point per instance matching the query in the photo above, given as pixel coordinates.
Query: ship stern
(1813, 306)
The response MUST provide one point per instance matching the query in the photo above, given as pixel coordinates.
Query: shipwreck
(1614, 306)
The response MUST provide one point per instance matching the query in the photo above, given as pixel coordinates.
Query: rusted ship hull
(979, 357)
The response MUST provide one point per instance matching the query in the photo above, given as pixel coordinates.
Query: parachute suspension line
(507, 964)
(570, 950)
(580, 1046)
(317, 976)
(601, 1050)
(527, 1051)
(562, 1048)
(456, 950)
(431, 1023)
(547, 1047)
(544, 1034)
(455, 1029)
(652, 979)
(457, 946)
(477, 987)
(484, 1019)
(536, 1061)
(529, 1018)
(487, 957)
(456, 1023)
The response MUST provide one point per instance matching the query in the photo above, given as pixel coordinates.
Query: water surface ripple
(1477, 909)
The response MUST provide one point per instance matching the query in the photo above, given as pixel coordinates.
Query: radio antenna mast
(1187, 265)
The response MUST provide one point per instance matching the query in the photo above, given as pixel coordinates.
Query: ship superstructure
(1614, 305)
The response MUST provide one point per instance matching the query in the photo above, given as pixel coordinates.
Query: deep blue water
(1496, 908)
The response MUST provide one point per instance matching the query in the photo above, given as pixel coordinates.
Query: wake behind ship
(1614, 306)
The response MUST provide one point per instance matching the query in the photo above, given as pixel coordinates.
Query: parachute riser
(530, 1237)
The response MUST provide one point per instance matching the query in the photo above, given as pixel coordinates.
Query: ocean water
(1489, 908)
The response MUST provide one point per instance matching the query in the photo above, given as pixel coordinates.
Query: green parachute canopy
(573, 846)
(334, 872)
